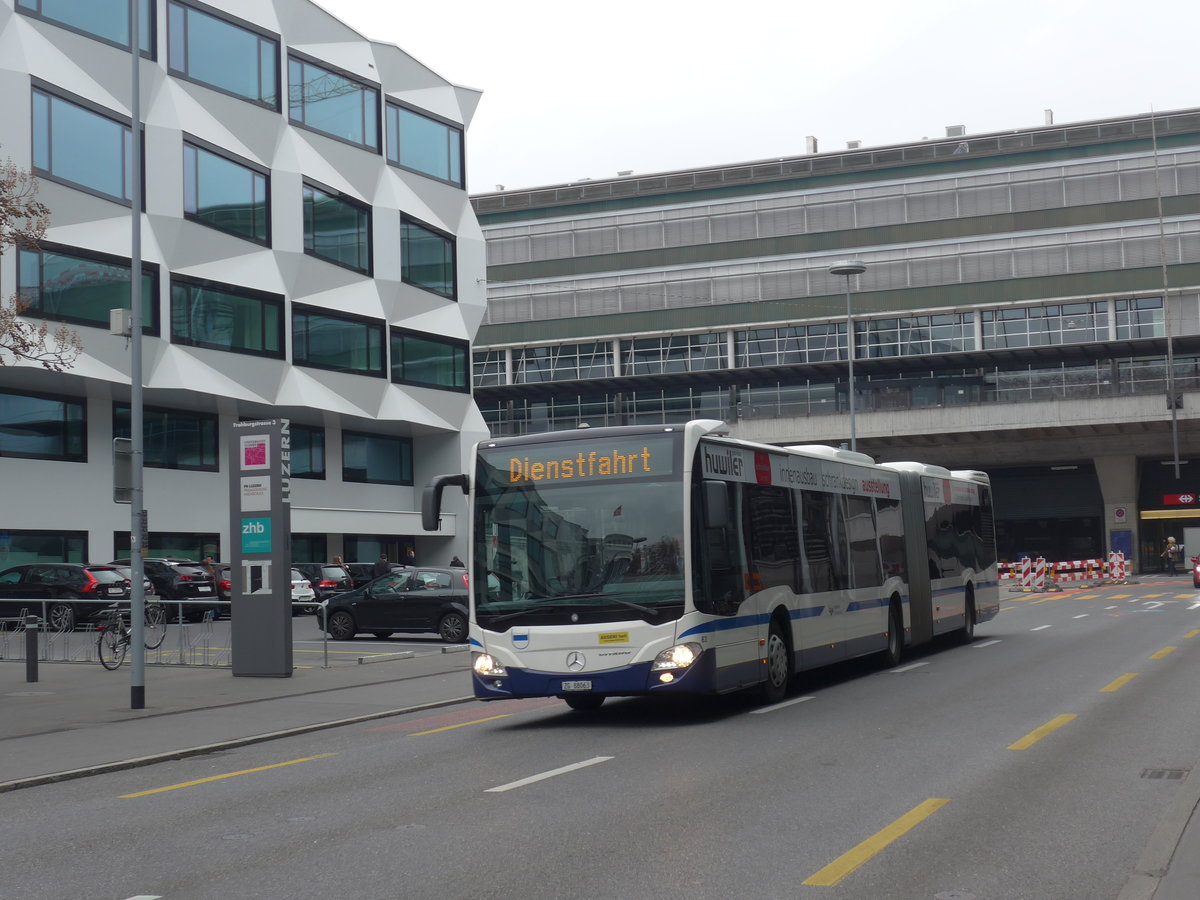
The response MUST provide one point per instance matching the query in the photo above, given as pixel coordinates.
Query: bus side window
(774, 544)
(717, 574)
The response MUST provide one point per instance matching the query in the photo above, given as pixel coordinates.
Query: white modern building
(309, 252)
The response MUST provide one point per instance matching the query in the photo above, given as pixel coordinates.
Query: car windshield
(107, 576)
(335, 573)
(582, 545)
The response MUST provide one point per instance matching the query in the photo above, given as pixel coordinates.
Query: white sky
(580, 89)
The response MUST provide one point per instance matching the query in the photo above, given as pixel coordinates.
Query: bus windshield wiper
(542, 601)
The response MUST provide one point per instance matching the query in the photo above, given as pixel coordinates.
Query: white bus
(673, 559)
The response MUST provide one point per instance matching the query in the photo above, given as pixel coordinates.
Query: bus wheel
(895, 637)
(967, 634)
(584, 702)
(779, 667)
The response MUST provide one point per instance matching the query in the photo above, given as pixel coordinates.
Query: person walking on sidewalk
(1171, 553)
(381, 567)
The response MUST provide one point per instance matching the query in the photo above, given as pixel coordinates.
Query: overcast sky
(582, 89)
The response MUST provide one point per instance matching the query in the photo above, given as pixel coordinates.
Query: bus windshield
(578, 531)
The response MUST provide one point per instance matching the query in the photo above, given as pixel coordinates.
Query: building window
(81, 147)
(922, 335)
(308, 451)
(376, 458)
(20, 547)
(1139, 318)
(173, 439)
(35, 426)
(106, 20)
(429, 361)
(223, 317)
(673, 353)
(309, 548)
(427, 258)
(1041, 326)
(223, 53)
(420, 143)
(333, 103)
(791, 345)
(173, 544)
(344, 343)
(226, 193)
(563, 362)
(489, 368)
(337, 229)
(80, 286)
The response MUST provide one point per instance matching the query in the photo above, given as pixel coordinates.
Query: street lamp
(849, 267)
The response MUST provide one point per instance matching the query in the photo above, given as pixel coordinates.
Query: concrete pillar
(1118, 477)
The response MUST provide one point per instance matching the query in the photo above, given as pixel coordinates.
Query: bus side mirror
(716, 504)
(431, 499)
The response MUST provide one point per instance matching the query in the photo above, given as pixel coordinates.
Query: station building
(1028, 307)
(309, 252)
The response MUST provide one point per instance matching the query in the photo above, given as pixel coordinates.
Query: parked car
(224, 581)
(1196, 572)
(416, 599)
(180, 579)
(147, 584)
(24, 587)
(302, 592)
(327, 579)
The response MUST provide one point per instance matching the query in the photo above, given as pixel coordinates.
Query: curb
(1155, 860)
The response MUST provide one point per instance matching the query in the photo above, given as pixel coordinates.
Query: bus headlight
(675, 658)
(486, 666)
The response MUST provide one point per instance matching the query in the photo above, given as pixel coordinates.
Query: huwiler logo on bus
(584, 465)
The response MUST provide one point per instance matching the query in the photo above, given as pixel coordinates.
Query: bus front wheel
(779, 668)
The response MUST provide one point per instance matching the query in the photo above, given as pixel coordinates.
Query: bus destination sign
(578, 461)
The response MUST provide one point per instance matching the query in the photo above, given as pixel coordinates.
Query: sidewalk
(76, 719)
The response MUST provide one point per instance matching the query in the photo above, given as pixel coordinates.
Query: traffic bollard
(31, 649)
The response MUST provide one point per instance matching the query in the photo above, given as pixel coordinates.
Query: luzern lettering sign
(580, 461)
(760, 467)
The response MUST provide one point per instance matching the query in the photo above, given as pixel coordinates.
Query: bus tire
(584, 702)
(967, 633)
(779, 665)
(895, 636)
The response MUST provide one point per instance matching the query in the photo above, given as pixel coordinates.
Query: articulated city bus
(667, 559)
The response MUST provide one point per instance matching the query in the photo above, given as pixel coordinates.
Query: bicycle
(115, 634)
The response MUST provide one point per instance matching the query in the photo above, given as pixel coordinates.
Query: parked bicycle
(115, 633)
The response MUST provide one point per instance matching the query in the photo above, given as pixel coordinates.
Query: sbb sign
(1179, 499)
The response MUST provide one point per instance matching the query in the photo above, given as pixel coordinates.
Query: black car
(180, 579)
(419, 598)
(25, 587)
(328, 579)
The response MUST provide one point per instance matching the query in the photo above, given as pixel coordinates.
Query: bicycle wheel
(111, 646)
(155, 630)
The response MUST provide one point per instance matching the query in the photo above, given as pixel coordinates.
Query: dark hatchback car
(180, 579)
(328, 579)
(416, 599)
(57, 584)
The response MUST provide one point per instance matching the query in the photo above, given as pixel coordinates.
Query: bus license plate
(576, 685)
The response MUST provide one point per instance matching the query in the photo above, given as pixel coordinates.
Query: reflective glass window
(376, 458)
(41, 427)
(24, 546)
(223, 317)
(337, 229)
(107, 20)
(308, 451)
(80, 147)
(223, 54)
(344, 343)
(173, 439)
(429, 360)
(427, 258)
(226, 194)
(334, 104)
(424, 144)
(80, 286)
(489, 368)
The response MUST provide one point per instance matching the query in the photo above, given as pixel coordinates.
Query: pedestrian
(410, 557)
(1171, 553)
(381, 567)
(210, 567)
(458, 563)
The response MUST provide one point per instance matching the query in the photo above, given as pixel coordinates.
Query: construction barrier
(1116, 568)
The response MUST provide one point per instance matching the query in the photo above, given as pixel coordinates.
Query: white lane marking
(986, 643)
(1084, 616)
(1117, 607)
(907, 668)
(544, 775)
(1195, 606)
(146, 897)
(1041, 627)
(785, 703)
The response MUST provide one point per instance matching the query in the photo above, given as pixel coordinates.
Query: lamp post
(849, 267)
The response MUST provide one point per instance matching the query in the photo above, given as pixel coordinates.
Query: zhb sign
(1179, 499)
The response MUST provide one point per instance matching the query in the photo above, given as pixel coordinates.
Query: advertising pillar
(260, 567)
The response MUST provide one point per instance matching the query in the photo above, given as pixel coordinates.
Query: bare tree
(23, 221)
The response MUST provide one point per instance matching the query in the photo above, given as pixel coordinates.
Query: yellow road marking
(460, 725)
(846, 863)
(1163, 653)
(1119, 683)
(1192, 633)
(1086, 596)
(1152, 596)
(1120, 596)
(1038, 733)
(1043, 600)
(175, 787)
